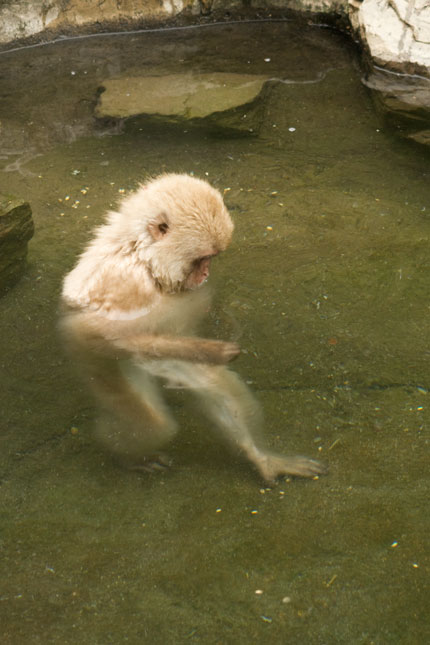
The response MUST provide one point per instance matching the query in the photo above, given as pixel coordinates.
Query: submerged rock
(405, 99)
(216, 98)
(405, 94)
(16, 229)
(422, 136)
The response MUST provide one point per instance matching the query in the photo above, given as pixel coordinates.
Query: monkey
(130, 310)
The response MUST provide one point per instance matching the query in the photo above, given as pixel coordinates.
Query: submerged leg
(228, 402)
(134, 422)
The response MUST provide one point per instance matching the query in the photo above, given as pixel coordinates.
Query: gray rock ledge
(16, 229)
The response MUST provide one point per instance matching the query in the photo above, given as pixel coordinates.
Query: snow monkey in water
(130, 309)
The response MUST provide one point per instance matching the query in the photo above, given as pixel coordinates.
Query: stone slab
(16, 229)
(181, 96)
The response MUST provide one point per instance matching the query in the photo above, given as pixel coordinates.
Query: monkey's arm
(119, 340)
(196, 350)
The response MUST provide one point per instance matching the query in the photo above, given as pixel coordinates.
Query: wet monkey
(129, 313)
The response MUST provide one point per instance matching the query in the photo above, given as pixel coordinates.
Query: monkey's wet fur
(130, 309)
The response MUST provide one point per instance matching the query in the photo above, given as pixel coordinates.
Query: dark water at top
(326, 286)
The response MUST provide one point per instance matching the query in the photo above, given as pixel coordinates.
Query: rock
(16, 229)
(406, 95)
(215, 98)
(397, 33)
(26, 18)
(423, 136)
(47, 19)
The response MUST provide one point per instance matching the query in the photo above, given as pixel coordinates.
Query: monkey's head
(180, 224)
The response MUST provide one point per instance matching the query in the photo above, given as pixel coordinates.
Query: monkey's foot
(271, 467)
(152, 464)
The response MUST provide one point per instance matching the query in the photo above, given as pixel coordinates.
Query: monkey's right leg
(237, 414)
(134, 422)
(228, 402)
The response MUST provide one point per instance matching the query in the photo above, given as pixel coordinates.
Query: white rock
(396, 31)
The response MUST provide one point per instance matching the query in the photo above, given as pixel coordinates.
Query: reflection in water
(327, 280)
(19, 164)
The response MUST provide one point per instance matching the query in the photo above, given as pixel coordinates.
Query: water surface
(326, 286)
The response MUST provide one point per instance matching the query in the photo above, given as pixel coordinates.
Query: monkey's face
(181, 223)
(180, 262)
(199, 272)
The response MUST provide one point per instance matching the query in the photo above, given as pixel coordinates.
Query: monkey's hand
(214, 352)
(272, 466)
(224, 352)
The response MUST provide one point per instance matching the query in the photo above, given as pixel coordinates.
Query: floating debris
(266, 619)
(334, 443)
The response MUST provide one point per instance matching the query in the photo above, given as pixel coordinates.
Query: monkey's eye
(163, 228)
(199, 261)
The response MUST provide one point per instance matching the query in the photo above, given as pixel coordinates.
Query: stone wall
(42, 19)
(396, 33)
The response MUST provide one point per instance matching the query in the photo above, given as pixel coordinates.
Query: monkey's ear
(158, 227)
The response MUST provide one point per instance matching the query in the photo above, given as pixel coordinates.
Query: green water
(330, 304)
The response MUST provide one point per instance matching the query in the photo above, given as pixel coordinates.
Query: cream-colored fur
(131, 305)
(118, 268)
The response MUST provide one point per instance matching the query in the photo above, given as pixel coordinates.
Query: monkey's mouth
(194, 286)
